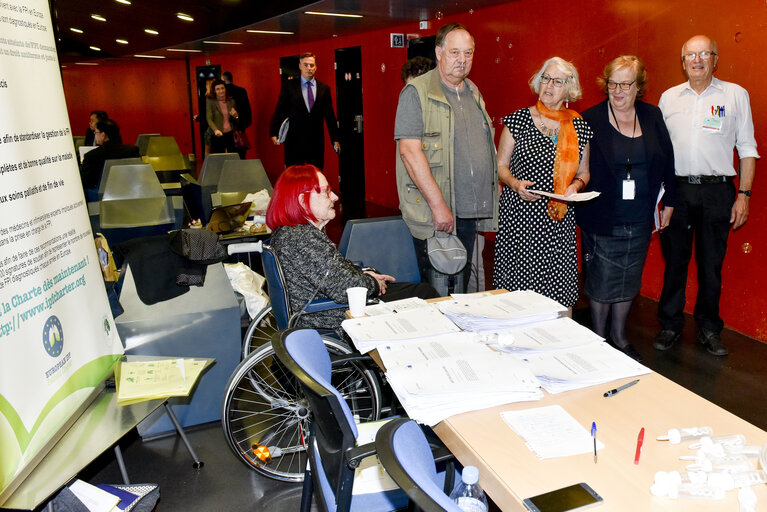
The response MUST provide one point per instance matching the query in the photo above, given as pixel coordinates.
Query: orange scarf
(568, 157)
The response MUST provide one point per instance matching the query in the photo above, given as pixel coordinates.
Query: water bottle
(469, 495)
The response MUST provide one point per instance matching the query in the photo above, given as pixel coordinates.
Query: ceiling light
(95, 48)
(185, 17)
(318, 13)
(126, 2)
(121, 41)
(98, 17)
(183, 50)
(150, 31)
(87, 63)
(278, 32)
(221, 42)
(150, 56)
(76, 30)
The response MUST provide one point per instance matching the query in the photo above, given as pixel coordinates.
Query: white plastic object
(469, 496)
(244, 247)
(749, 450)
(731, 440)
(729, 481)
(726, 464)
(680, 435)
(670, 484)
(747, 499)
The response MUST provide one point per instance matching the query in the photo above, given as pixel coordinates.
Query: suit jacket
(215, 117)
(305, 142)
(240, 97)
(93, 161)
(596, 216)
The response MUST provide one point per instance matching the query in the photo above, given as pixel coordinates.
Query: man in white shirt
(707, 118)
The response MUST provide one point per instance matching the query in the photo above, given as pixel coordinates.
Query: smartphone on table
(574, 497)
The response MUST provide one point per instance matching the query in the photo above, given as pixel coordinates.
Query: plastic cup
(357, 297)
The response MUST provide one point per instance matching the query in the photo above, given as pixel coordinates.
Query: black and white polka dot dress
(533, 251)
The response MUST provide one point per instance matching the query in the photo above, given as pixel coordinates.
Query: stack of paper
(582, 366)
(151, 380)
(559, 334)
(502, 311)
(369, 332)
(444, 375)
(550, 432)
(397, 306)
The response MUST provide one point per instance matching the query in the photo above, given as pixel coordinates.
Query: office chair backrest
(334, 432)
(163, 154)
(278, 292)
(211, 168)
(142, 141)
(384, 243)
(108, 164)
(405, 454)
(244, 176)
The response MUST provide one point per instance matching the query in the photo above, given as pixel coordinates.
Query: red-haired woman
(302, 204)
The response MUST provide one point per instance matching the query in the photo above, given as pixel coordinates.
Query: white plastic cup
(357, 298)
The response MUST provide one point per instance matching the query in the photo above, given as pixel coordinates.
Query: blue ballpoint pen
(594, 437)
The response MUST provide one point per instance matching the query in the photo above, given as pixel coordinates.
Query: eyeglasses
(624, 86)
(558, 82)
(704, 55)
(325, 191)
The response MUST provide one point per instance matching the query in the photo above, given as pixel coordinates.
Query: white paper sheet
(575, 198)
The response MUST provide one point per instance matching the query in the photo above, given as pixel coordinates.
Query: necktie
(309, 95)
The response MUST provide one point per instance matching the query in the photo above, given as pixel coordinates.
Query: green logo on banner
(53, 336)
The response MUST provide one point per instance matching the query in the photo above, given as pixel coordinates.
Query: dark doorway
(289, 69)
(205, 76)
(422, 47)
(351, 161)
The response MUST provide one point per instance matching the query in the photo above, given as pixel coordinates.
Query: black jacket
(596, 216)
(93, 161)
(305, 142)
(240, 97)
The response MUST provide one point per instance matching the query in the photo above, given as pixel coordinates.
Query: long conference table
(510, 472)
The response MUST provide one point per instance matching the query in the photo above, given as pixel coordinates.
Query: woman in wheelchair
(302, 204)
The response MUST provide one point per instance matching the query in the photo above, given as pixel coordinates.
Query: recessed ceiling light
(87, 63)
(150, 31)
(185, 17)
(76, 30)
(121, 41)
(150, 56)
(98, 17)
(126, 2)
(95, 48)
(221, 42)
(278, 32)
(183, 50)
(319, 13)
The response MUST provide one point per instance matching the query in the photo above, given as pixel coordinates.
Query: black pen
(620, 388)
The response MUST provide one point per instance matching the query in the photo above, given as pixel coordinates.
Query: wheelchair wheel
(260, 331)
(266, 419)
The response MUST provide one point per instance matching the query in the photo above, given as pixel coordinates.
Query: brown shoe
(713, 342)
(666, 339)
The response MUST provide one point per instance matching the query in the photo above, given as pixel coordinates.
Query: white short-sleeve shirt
(705, 127)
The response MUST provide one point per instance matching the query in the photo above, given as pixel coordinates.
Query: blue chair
(331, 448)
(406, 455)
(384, 243)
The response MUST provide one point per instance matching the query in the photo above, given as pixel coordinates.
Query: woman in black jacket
(631, 159)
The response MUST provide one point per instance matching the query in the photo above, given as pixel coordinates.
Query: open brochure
(581, 196)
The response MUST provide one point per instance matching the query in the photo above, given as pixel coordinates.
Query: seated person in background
(110, 148)
(90, 133)
(302, 204)
(415, 67)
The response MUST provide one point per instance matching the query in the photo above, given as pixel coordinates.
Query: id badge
(629, 190)
(713, 124)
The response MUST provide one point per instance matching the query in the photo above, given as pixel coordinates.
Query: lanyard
(631, 143)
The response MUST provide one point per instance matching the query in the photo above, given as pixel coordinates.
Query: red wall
(512, 41)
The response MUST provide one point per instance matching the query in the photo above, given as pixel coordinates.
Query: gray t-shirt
(472, 147)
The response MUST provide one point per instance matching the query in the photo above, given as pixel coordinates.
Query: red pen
(640, 441)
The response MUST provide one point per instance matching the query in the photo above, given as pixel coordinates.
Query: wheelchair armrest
(354, 456)
(324, 305)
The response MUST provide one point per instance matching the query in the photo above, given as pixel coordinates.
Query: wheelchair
(265, 416)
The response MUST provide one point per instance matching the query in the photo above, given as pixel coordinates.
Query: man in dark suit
(110, 147)
(306, 103)
(242, 104)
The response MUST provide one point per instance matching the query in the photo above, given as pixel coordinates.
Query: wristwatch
(746, 193)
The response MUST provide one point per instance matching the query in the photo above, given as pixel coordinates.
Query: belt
(703, 180)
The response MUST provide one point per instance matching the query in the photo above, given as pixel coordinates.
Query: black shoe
(712, 342)
(630, 351)
(666, 339)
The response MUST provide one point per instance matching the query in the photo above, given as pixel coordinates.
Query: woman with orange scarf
(545, 147)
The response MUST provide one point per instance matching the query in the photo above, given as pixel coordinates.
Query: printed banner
(57, 335)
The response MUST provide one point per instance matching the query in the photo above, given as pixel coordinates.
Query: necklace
(548, 132)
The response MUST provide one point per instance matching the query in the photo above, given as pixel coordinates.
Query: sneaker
(666, 339)
(712, 342)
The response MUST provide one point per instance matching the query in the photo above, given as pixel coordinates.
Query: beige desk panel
(510, 472)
